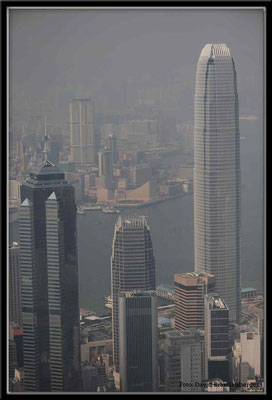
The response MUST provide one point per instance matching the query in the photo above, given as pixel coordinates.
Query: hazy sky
(80, 52)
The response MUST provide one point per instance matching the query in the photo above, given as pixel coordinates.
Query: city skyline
(115, 132)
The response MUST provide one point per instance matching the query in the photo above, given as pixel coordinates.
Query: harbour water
(171, 224)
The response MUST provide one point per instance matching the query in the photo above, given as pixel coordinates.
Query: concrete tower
(83, 140)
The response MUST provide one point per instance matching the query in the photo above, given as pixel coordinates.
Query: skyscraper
(105, 170)
(138, 338)
(15, 312)
(217, 345)
(132, 266)
(190, 289)
(113, 147)
(217, 174)
(184, 360)
(83, 140)
(49, 282)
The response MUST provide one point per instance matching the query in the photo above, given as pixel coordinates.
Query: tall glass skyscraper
(49, 282)
(217, 343)
(132, 266)
(217, 183)
(138, 337)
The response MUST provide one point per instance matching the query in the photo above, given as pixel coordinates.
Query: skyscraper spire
(46, 142)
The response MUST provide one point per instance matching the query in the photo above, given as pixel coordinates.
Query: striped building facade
(217, 182)
(190, 289)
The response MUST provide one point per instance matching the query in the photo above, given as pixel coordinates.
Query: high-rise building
(132, 266)
(49, 282)
(17, 336)
(113, 147)
(83, 140)
(190, 289)
(184, 360)
(217, 185)
(217, 344)
(15, 312)
(251, 351)
(12, 360)
(138, 341)
(105, 168)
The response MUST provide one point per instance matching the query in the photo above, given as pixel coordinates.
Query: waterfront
(171, 225)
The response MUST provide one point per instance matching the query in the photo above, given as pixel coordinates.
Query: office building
(93, 376)
(105, 169)
(217, 186)
(12, 360)
(190, 289)
(184, 360)
(132, 266)
(140, 174)
(138, 338)
(217, 345)
(16, 335)
(83, 140)
(247, 355)
(15, 312)
(49, 282)
(112, 139)
(217, 385)
(251, 350)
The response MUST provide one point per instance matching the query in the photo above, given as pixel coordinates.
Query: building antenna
(46, 139)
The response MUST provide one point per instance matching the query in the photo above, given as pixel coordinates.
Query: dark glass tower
(132, 266)
(138, 337)
(49, 282)
(217, 344)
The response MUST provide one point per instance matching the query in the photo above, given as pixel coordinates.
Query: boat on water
(110, 210)
(108, 301)
(92, 208)
(80, 210)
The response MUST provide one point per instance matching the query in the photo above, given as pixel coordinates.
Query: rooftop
(138, 293)
(83, 100)
(194, 278)
(213, 50)
(44, 169)
(217, 301)
(45, 173)
(164, 320)
(184, 333)
(246, 290)
(132, 222)
(166, 288)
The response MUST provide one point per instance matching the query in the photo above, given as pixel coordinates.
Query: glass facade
(217, 343)
(138, 320)
(49, 280)
(132, 266)
(217, 174)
